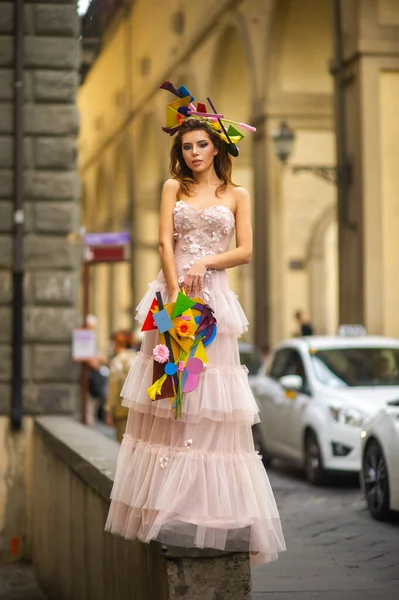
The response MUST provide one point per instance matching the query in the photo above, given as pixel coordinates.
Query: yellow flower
(185, 329)
(155, 389)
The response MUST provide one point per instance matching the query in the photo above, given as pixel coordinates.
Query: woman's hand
(194, 279)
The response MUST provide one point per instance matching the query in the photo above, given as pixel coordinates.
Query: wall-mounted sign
(84, 344)
(106, 247)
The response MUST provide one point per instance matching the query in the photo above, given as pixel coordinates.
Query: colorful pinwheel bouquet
(185, 328)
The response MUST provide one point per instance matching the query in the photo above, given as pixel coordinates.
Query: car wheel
(314, 469)
(375, 478)
(259, 447)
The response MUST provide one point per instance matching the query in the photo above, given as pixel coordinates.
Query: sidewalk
(17, 582)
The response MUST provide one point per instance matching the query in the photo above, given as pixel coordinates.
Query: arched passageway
(300, 92)
(100, 275)
(230, 91)
(147, 196)
(121, 287)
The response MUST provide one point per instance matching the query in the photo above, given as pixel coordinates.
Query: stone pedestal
(75, 559)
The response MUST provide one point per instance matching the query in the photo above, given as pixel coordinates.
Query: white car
(317, 393)
(380, 462)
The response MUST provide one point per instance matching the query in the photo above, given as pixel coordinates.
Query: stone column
(368, 240)
(51, 256)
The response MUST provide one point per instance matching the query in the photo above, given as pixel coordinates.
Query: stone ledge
(89, 454)
(93, 457)
(74, 468)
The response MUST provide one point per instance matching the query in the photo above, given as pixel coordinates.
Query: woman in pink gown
(197, 481)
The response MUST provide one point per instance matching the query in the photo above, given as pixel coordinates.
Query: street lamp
(283, 141)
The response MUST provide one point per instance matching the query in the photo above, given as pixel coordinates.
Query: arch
(230, 80)
(299, 90)
(121, 273)
(100, 280)
(121, 199)
(232, 94)
(102, 201)
(83, 206)
(299, 46)
(147, 193)
(235, 31)
(322, 263)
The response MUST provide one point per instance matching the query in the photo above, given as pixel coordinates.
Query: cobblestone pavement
(17, 582)
(335, 550)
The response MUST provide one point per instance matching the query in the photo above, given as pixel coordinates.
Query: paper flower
(181, 365)
(185, 329)
(161, 353)
(207, 319)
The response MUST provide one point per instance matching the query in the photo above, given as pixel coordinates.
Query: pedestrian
(123, 356)
(194, 479)
(265, 350)
(305, 326)
(97, 380)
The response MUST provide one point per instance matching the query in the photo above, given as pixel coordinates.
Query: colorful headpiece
(183, 108)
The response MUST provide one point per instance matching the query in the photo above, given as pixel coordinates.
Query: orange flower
(185, 329)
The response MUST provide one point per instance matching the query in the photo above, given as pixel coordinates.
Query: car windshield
(356, 367)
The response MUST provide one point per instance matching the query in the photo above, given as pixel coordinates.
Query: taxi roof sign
(352, 330)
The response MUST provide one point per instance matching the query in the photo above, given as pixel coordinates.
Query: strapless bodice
(200, 232)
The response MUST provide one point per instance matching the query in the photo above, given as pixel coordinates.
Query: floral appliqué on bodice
(201, 231)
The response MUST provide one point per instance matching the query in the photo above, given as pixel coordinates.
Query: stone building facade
(51, 248)
(261, 61)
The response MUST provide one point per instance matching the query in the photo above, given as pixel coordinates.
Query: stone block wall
(51, 190)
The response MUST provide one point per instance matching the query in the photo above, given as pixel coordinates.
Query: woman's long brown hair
(180, 171)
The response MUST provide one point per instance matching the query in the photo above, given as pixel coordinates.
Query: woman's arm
(240, 255)
(166, 236)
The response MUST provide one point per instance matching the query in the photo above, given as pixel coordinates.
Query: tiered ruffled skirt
(196, 481)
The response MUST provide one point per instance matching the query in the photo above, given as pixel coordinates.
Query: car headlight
(347, 415)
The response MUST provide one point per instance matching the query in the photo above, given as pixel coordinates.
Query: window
(276, 368)
(357, 367)
(288, 361)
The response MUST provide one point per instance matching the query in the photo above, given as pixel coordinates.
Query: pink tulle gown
(196, 481)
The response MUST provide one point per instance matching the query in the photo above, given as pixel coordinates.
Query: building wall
(262, 61)
(51, 249)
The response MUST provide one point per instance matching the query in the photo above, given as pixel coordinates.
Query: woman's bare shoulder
(240, 195)
(171, 185)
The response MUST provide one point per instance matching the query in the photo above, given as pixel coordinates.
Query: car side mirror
(292, 383)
